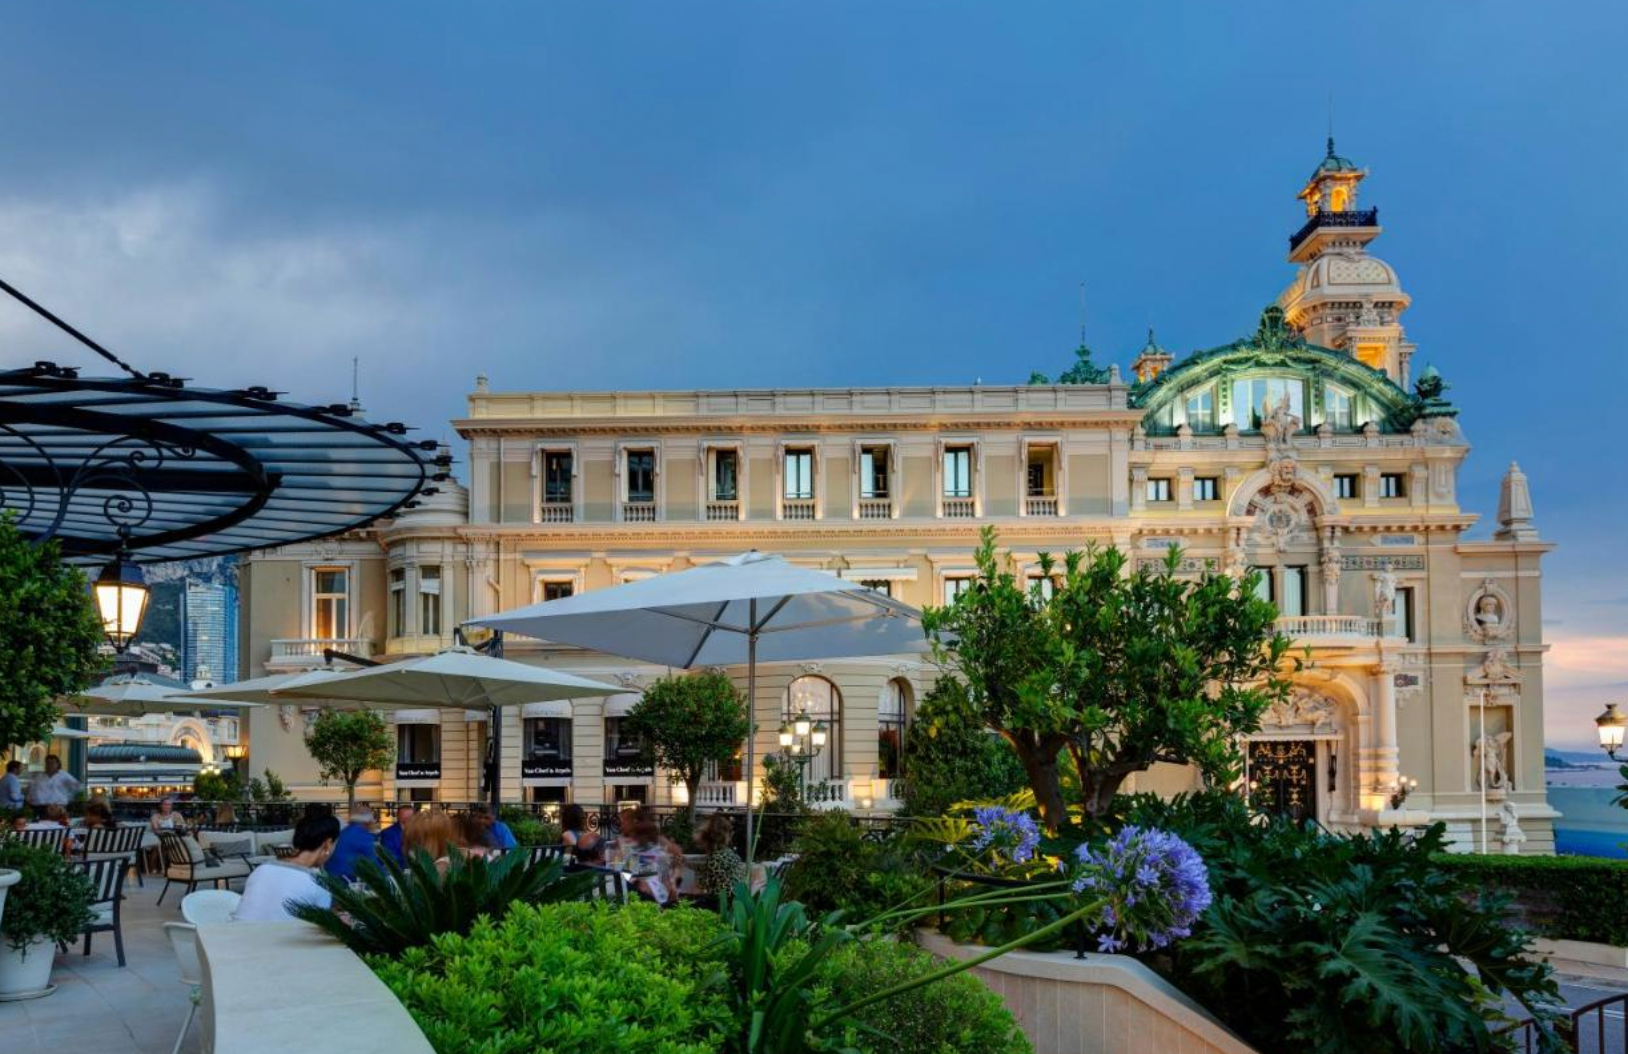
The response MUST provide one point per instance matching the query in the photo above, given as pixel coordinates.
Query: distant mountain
(1576, 759)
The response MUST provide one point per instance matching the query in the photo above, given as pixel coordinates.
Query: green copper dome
(1333, 162)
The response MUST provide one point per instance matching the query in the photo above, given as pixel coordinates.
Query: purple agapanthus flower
(1155, 887)
(1006, 831)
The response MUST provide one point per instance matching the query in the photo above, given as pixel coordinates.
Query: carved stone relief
(1303, 709)
(1489, 614)
(1489, 760)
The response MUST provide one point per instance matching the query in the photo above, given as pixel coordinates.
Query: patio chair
(107, 875)
(210, 905)
(184, 939)
(609, 883)
(115, 843)
(539, 853)
(43, 837)
(187, 863)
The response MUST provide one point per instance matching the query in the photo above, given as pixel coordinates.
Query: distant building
(209, 632)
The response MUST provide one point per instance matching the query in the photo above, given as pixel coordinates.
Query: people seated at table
(722, 867)
(590, 854)
(53, 786)
(275, 884)
(432, 832)
(496, 833)
(356, 842)
(98, 815)
(471, 835)
(225, 815)
(166, 818)
(574, 832)
(648, 860)
(390, 841)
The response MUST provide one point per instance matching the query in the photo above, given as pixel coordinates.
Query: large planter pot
(8, 878)
(26, 974)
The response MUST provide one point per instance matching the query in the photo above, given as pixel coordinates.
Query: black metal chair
(107, 875)
(54, 838)
(108, 843)
(191, 865)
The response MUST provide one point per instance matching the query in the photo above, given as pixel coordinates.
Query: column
(1386, 754)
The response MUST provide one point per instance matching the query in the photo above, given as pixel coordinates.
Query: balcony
(1346, 629)
(876, 508)
(1040, 505)
(305, 653)
(718, 794)
(557, 512)
(638, 512)
(960, 508)
(797, 509)
(723, 510)
(1321, 219)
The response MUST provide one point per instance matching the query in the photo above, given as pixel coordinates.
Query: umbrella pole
(496, 788)
(751, 724)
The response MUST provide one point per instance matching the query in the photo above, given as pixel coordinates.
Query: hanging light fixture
(121, 598)
(1611, 725)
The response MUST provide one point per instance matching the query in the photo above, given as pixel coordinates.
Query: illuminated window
(1254, 399)
(330, 603)
(429, 601)
(1337, 408)
(891, 715)
(1201, 411)
(1041, 479)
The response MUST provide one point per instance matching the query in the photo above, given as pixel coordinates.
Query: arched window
(820, 700)
(892, 713)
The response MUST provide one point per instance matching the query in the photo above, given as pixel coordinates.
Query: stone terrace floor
(99, 1008)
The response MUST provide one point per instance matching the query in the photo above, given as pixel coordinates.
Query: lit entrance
(1283, 777)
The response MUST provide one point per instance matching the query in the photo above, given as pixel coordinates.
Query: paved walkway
(99, 1008)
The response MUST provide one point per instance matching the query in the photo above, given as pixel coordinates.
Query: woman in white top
(166, 818)
(274, 885)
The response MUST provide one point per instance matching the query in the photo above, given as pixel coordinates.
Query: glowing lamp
(121, 598)
(785, 735)
(802, 724)
(819, 735)
(1611, 725)
(235, 751)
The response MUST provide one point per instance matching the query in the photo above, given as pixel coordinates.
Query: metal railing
(1598, 1026)
(797, 509)
(557, 512)
(876, 508)
(1040, 506)
(1321, 219)
(723, 510)
(1328, 626)
(638, 512)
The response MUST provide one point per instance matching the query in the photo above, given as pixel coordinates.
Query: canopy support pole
(496, 734)
(751, 725)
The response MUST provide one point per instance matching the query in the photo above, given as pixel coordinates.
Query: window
(556, 589)
(1263, 584)
(1254, 399)
(620, 746)
(818, 698)
(891, 716)
(551, 795)
(1337, 408)
(883, 586)
(1041, 587)
(1405, 627)
(548, 738)
(330, 603)
(1042, 481)
(1158, 490)
(418, 744)
(954, 587)
(725, 475)
(873, 472)
(799, 475)
(398, 602)
(641, 475)
(557, 477)
(1293, 601)
(429, 600)
(1346, 485)
(1201, 411)
(958, 472)
(1393, 485)
(1206, 488)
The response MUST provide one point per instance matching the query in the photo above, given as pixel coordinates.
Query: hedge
(1575, 898)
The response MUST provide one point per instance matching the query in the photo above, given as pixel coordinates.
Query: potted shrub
(49, 902)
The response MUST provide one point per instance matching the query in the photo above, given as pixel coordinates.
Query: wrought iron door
(1283, 776)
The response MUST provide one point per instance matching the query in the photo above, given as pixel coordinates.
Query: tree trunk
(350, 799)
(693, 785)
(1039, 760)
(1099, 786)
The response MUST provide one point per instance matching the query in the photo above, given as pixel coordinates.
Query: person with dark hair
(11, 786)
(574, 833)
(98, 814)
(496, 833)
(391, 840)
(53, 786)
(723, 867)
(470, 835)
(276, 884)
(356, 842)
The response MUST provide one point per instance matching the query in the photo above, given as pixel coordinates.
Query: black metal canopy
(173, 473)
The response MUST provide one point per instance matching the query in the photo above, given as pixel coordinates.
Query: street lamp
(121, 598)
(1611, 725)
(235, 751)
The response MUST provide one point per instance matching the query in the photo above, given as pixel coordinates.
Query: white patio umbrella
(260, 689)
(740, 610)
(456, 679)
(136, 697)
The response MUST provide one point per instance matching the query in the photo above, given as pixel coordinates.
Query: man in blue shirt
(356, 842)
(390, 840)
(497, 832)
(11, 787)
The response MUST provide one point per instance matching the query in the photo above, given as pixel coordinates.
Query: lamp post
(1611, 726)
(801, 740)
(235, 752)
(121, 598)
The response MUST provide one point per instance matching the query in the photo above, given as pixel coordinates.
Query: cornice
(656, 534)
(1001, 420)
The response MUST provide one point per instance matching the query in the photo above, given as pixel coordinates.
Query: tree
(347, 743)
(50, 635)
(1121, 668)
(950, 756)
(689, 721)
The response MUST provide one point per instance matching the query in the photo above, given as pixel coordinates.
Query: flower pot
(8, 878)
(26, 974)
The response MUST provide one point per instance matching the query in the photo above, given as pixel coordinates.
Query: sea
(1589, 825)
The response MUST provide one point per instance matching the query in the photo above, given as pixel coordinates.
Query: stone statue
(1384, 593)
(1489, 611)
(1490, 755)
(1512, 836)
(1496, 668)
(1278, 424)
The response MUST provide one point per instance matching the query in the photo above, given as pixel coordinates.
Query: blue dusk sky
(719, 194)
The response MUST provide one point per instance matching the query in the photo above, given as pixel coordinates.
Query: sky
(762, 194)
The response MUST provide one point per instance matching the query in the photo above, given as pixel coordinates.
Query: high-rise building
(209, 631)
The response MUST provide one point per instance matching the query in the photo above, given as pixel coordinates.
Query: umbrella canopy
(264, 689)
(136, 697)
(751, 607)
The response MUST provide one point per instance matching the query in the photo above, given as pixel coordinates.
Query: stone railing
(797, 509)
(307, 651)
(1099, 1004)
(723, 510)
(829, 794)
(717, 793)
(876, 508)
(638, 512)
(960, 508)
(556, 512)
(1040, 506)
(1298, 626)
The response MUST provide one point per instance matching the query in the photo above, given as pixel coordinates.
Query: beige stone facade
(1307, 459)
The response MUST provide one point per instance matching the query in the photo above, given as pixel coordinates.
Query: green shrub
(1558, 897)
(957, 1015)
(951, 757)
(838, 869)
(530, 829)
(50, 901)
(583, 978)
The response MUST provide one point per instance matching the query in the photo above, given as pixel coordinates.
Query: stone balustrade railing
(1298, 626)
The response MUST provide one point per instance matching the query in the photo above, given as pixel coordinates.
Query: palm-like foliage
(399, 907)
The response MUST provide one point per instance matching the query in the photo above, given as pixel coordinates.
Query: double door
(1283, 777)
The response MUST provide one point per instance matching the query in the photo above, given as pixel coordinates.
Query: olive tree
(50, 635)
(347, 743)
(1120, 669)
(689, 721)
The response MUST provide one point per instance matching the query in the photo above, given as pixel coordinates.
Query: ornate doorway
(1283, 777)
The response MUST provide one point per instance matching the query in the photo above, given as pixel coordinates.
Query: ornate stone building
(1306, 450)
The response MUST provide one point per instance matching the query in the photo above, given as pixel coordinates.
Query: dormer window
(1254, 399)
(1337, 408)
(1201, 410)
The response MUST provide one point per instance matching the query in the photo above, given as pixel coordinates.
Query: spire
(1515, 508)
(355, 392)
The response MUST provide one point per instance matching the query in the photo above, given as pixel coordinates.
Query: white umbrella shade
(266, 689)
(133, 697)
(749, 608)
